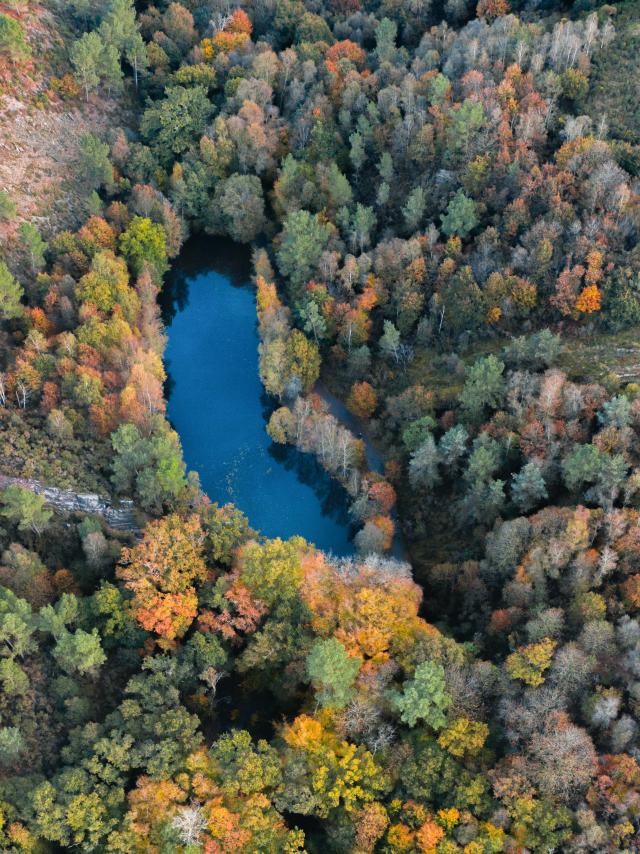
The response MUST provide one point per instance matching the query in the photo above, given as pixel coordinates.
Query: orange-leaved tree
(362, 399)
(162, 572)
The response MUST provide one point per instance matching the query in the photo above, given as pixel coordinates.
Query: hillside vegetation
(41, 125)
(444, 231)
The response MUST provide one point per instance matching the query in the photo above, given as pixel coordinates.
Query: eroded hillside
(42, 122)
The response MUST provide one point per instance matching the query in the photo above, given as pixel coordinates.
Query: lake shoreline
(218, 407)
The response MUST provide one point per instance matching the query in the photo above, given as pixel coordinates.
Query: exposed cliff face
(118, 515)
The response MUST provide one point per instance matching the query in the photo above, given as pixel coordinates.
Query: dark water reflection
(217, 404)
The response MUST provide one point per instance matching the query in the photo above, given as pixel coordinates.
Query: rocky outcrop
(119, 515)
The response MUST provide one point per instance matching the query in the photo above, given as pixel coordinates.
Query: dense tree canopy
(444, 236)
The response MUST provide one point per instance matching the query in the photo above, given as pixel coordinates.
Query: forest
(441, 203)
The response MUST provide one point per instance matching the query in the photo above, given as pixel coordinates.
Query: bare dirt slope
(39, 131)
(37, 153)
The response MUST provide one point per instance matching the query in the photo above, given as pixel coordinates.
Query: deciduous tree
(162, 573)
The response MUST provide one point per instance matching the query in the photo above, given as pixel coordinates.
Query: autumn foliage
(362, 400)
(162, 573)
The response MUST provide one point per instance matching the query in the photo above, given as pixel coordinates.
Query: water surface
(217, 404)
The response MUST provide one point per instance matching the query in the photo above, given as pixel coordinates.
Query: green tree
(363, 221)
(485, 498)
(10, 294)
(163, 731)
(12, 38)
(467, 120)
(461, 216)
(338, 188)
(484, 460)
(93, 166)
(86, 58)
(484, 387)
(439, 88)
(150, 731)
(176, 122)
(616, 412)
(26, 509)
(611, 476)
(303, 240)
(581, 466)
(588, 465)
(240, 202)
(17, 625)
(15, 682)
(541, 825)
(382, 196)
(244, 769)
(33, 245)
(150, 468)
(414, 209)
(423, 466)
(119, 25)
(453, 446)
(272, 570)
(55, 618)
(332, 672)
(312, 320)
(109, 69)
(145, 242)
(424, 697)
(87, 10)
(136, 56)
(462, 302)
(226, 528)
(386, 33)
(528, 488)
(131, 456)
(295, 187)
(79, 651)
(163, 482)
(8, 208)
(534, 351)
(357, 153)
(386, 168)
(70, 817)
(94, 205)
(120, 31)
(485, 501)
(12, 745)
(417, 432)
(389, 343)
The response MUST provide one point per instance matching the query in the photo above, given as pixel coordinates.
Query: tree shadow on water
(202, 255)
(332, 497)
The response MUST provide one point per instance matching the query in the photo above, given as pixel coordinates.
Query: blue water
(217, 404)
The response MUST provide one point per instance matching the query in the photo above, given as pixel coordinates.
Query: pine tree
(528, 487)
(86, 58)
(10, 294)
(332, 672)
(424, 697)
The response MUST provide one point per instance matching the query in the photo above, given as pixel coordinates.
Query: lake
(217, 404)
